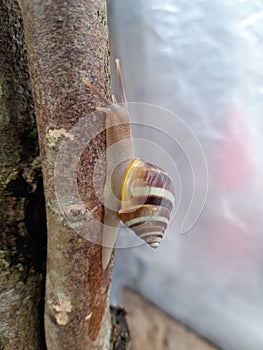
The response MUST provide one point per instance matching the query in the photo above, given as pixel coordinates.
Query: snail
(136, 192)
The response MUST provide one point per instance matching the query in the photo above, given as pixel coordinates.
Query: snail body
(136, 192)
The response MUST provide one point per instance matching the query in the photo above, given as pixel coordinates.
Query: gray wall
(201, 60)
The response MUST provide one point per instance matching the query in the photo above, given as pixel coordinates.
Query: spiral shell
(147, 200)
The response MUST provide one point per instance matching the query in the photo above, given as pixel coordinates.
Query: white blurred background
(202, 60)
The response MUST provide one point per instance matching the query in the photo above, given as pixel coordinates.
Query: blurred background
(201, 60)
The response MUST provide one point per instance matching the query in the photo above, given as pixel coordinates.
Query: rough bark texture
(22, 226)
(65, 39)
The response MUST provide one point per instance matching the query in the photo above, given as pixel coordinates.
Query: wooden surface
(152, 329)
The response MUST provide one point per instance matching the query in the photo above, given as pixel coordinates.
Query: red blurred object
(234, 169)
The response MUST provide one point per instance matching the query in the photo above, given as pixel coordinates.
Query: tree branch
(65, 39)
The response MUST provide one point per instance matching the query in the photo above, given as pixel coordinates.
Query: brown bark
(65, 39)
(22, 226)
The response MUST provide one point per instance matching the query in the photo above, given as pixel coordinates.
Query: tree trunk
(22, 226)
(67, 40)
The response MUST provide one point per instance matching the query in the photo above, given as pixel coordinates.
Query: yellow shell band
(128, 170)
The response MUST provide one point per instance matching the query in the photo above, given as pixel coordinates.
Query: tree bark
(65, 39)
(22, 226)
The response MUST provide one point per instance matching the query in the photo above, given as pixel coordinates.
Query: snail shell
(147, 200)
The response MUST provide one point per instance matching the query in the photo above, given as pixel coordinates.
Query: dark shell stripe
(146, 214)
(155, 178)
(158, 231)
(151, 235)
(145, 210)
(141, 230)
(152, 200)
(152, 240)
(144, 220)
(157, 225)
(146, 191)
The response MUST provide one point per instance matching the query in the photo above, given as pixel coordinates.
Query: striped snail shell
(147, 200)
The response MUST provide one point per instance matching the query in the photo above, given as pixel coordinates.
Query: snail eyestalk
(120, 83)
(96, 92)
